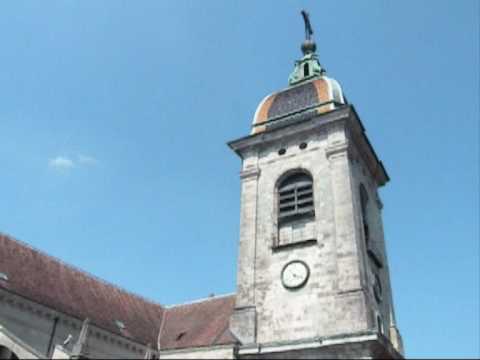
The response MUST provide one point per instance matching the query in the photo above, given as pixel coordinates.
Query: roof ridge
(81, 271)
(216, 297)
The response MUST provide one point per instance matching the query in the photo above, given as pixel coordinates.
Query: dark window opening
(295, 197)
(377, 289)
(306, 70)
(375, 258)
(363, 204)
(379, 324)
(366, 232)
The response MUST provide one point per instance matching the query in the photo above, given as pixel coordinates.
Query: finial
(308, 67)
(148, 352)
(308, 46)
(79, 348)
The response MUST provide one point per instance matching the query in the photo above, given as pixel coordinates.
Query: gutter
(52, 336)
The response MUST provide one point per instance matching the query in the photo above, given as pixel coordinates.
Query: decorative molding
(80, 347)
(318, 124)
(294, 244)
(198, 349)
(336, 151)
(250, 173)
(310, 343)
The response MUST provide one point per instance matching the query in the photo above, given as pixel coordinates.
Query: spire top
(308, 67)
(308, 26)
(308, 46)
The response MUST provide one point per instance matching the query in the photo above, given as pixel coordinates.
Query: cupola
(309, 92)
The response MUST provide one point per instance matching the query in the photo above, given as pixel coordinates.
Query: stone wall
(33, 323)
(218, 352)
(377, 245)
(333, 300)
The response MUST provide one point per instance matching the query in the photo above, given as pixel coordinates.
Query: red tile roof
(50, 282)
(202, 323)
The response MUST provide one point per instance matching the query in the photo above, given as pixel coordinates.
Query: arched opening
(377, 288)
(295, 197)
(6, 353)
(306, 70)
(380, 324)
(363, 204)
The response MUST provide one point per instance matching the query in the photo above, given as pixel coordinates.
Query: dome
(317, 96)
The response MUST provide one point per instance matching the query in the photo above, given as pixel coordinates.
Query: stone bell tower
(313, 278)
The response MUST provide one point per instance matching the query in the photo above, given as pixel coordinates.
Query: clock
(295, 274)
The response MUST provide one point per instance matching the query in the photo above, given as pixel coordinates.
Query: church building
(312, 272)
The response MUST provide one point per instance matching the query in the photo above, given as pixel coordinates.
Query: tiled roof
(202, 323)
(52, 283)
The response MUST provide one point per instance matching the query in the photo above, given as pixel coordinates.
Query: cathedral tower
(313, 277)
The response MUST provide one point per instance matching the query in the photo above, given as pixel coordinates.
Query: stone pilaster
(243, 320)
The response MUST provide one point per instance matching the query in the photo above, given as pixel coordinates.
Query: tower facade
(313, 277)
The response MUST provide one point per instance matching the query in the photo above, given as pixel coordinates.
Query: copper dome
(317, 96)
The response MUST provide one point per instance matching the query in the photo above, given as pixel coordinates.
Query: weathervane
(308, 46)
(308, 26)
(308, 67)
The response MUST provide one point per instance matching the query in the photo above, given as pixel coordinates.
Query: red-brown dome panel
(296, 99)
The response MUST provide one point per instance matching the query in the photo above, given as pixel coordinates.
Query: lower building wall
(200, 353)
(361, 350)
(60, 353)
(32, 324)
(25, 324)
(9, 348)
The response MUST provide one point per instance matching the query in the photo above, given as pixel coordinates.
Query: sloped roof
(52, 283)
(202, 323)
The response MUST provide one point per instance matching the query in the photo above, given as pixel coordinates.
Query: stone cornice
(294, 128)
(314, 343)
(310, 343)
(337, 150)
(345, 116)
(199, 349)
(250, 173)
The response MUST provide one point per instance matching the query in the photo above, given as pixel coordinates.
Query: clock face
(295, 274)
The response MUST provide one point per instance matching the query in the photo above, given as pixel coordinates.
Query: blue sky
(114, 117)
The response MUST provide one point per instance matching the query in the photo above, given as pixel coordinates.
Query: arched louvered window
(295, 197)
